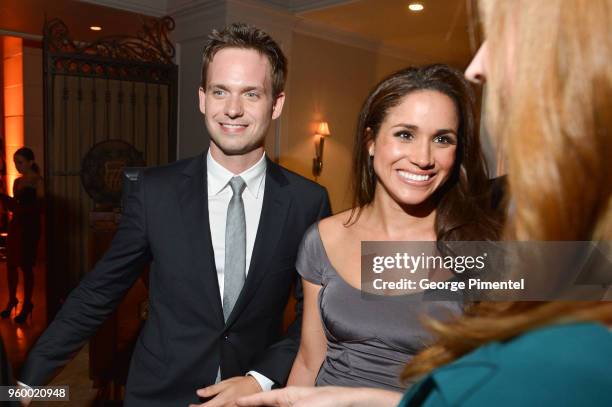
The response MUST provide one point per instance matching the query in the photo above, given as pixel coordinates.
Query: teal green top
(558, 365)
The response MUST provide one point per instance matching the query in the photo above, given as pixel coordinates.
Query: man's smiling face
(238, 103)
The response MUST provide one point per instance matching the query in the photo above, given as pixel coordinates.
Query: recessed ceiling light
(415, 7)
(95, 28)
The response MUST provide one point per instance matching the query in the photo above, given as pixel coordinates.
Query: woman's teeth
(414, 177)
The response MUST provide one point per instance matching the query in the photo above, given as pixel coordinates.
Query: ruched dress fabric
(369, 338)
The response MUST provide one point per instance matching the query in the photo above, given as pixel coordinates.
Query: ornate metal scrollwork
(150, 45)
(147, 55)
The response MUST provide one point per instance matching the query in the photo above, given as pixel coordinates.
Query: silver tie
(235, 248)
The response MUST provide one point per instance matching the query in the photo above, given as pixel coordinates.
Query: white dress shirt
(219, 195)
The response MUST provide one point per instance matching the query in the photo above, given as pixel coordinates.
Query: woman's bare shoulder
(334, 228)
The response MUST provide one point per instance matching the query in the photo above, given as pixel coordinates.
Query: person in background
(547, 69)
(23, 232)
(419, 176)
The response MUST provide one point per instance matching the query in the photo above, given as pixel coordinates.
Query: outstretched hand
(287, 397)
(322, 397)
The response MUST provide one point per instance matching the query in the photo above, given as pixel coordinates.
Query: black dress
(24, 228)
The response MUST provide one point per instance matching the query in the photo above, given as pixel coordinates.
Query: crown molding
(154, 8)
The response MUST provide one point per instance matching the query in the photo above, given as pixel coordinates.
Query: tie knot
(237, 184)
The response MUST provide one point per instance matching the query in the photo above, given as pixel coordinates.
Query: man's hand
(24, 401)
(227, 391)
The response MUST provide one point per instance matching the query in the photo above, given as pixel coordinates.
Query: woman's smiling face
(414, 150)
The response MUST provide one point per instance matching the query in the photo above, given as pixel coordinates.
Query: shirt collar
(219, 176)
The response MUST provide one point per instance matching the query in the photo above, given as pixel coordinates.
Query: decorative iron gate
(117, 89)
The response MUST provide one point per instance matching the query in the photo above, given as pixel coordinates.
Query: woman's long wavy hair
(463, 210)
(551, 108)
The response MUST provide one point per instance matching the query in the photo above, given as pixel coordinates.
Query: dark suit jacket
(185, 338)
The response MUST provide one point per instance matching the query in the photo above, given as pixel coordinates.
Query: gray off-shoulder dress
(369, 339)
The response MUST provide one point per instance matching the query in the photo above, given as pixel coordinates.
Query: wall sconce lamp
(321, 133)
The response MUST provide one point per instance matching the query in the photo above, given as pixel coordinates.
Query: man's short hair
(240, 35)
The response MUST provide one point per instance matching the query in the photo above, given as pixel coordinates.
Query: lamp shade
(323, 129)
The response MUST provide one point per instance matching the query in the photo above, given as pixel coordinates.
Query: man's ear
(277, 107)
(202, 97)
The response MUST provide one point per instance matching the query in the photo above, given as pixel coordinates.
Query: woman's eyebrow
(407, 126)
(445, 131)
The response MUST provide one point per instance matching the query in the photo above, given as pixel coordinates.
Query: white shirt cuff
(265, 383)
(24, 385)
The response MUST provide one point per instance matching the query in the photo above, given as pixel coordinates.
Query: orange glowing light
(13, 104)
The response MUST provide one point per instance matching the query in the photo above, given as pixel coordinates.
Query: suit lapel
(192, 191)
(277, 201)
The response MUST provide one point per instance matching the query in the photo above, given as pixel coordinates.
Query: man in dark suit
(221, 232)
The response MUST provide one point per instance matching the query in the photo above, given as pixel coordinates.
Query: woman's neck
(401, 222)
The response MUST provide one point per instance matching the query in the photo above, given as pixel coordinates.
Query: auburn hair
(549, 103)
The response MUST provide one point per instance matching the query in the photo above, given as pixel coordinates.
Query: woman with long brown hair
(420, 176)
(547, 67)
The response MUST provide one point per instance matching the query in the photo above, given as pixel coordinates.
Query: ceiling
(439, 33)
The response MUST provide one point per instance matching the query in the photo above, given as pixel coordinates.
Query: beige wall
(328, 82)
